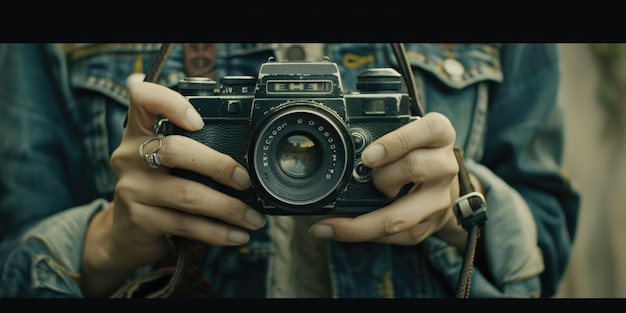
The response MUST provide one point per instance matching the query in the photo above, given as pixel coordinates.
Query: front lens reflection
(299, 156)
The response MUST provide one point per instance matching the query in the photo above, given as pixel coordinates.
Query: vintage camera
(299, 134)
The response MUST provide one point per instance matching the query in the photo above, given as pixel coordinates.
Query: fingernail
(238, 237)
(373, 154)
(254, 218)
(322, 231)
(241, 178)
(194, 119)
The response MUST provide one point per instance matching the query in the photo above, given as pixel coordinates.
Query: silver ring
(151, 159)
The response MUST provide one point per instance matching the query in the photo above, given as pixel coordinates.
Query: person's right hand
(150, 204)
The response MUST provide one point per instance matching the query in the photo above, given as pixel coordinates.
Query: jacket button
(453, 68)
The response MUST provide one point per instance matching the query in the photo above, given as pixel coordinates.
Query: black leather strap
(470, 208)
(464, 177)
(182, 280)
(155, 69)
(471, 212)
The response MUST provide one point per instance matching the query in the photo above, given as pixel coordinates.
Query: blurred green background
(594, 95)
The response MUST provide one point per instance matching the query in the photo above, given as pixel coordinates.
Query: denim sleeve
(43, 172)
(44, 167)
(510, 237)
(532, 203)
(44, 261)
(524, 148)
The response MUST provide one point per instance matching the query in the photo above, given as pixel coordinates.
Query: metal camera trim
(337, 155)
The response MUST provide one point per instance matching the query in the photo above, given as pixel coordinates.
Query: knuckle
(394, 225)
(115, 161)
(417, 234)
(414, 165)
(125, 188)
(440, 129)
(181, 226)
(118, 159)
(188, 196)
(168, 150)
(223, 165)
(399, 143)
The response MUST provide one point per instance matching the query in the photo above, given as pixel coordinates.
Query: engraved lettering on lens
(299, 156)
(268, 141)
(303, 157)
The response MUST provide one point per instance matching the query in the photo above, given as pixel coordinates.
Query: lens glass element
(299, 156)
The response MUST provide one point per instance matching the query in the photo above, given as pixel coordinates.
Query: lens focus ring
(301, 157)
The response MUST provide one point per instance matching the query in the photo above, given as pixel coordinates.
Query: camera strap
(470, 208)
(178, 275)
(471, 213)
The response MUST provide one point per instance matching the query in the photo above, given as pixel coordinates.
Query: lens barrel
(300, 157)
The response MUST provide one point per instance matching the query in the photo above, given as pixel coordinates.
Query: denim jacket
(62, 112)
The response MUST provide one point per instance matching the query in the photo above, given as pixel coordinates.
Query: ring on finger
(151, 159)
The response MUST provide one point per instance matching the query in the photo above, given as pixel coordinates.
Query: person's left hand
(421, 152)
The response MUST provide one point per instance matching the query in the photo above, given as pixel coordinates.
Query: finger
(393, 219)
(188, 154)
(149, 100)
(162, 190)
(178, 223)
(415, 234)
(417, 166)
(432, 130)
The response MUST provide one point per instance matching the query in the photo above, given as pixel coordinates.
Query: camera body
(299, 134)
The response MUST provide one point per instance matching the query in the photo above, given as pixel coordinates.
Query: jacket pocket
(105, 68)
(455, 80)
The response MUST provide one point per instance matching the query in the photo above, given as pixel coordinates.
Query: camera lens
(300, 157)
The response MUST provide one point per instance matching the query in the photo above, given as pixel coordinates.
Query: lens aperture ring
(300, 157)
